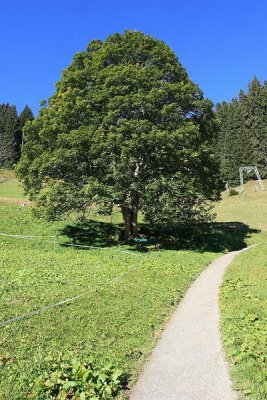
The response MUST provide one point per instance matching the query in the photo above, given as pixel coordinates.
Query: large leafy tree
(127, 127)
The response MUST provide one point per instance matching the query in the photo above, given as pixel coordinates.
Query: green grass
(243, 296)
(244, 321)
(126, 300)
(10, 189)
(249, 207)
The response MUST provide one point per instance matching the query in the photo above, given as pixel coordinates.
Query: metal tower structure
(248, 170)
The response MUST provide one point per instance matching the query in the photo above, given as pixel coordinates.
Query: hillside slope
(243, 296)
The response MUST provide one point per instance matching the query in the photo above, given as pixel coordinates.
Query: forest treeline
(242, 137)
(11, 133)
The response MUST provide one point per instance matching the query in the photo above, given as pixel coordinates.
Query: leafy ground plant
(72, 379)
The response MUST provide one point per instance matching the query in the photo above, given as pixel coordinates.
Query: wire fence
(53, 240)
(32, 237)
(68, 300)
(55, 243)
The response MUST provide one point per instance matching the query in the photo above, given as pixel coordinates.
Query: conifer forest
(243, 132)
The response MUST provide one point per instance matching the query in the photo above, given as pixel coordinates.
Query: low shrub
(233, 192)
(76, 380)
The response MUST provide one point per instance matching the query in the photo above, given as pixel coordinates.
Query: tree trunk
(134, 228)
(127, 222)
(130, 222)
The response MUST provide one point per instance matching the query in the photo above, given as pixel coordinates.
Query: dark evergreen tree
(243, 132)
(26, 115)
(9, 127)
(245, 137)
(256, 123)
(222, 148)
(229, 149)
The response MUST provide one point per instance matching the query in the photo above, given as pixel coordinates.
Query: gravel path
(188, 361)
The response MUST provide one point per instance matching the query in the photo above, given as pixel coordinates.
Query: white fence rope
(31, 237)
(85, 246)
(129, 252)
(101, 248)
(59, 303)
(29, 314)
(24, 236)
(54, 242)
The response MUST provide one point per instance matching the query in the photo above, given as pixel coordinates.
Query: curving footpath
(188, 361)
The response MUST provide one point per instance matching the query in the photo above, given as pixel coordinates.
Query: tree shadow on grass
(93, 233)
(215, 237)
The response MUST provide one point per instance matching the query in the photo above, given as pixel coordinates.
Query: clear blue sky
(222, 44)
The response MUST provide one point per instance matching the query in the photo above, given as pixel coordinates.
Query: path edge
(130, 395)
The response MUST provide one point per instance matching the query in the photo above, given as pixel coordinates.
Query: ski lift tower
(248, 170)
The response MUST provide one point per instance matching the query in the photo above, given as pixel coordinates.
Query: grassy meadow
(249, 207)
(10, 190)
(243, 296)
(126, 296)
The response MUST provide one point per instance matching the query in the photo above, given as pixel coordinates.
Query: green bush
(75, 380)
(233, 192)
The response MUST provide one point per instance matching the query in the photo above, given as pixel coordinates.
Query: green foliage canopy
(125, 119)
